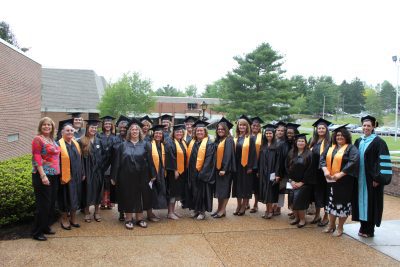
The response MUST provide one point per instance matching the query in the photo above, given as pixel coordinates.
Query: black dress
(132, 171)
(223, 184)
(175, 187)
(69, 194)
(92, 186)
(319, 187)
(159, 189)
(242, 181)
(107, 143)
(200, 183)
(268, 164)
(118, 140)
(301, 170)
(284, 147)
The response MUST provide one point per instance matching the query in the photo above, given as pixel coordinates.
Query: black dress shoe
(65, 227)
(40, 238)
(49, 232)
(76, 225)
(218, 216)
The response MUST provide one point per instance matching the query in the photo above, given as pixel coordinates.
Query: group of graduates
(143, 167)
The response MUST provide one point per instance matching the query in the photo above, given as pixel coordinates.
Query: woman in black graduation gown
(69, 193)
(246, 164)
(201, 170)
(225, 166)
(158, 188)
(189, 121)
(176, 164)
(301, 175)
(132, 173)
(256, 132)
(340, 164)
(268, 167)
(319, 142)
(375, 172)
(147, 124)
(92, 160)
(107, 139)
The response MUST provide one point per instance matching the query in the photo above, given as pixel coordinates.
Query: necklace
(47, 139)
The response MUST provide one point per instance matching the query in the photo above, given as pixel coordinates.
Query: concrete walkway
(230, 241)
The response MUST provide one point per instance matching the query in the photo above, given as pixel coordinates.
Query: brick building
(20, 101)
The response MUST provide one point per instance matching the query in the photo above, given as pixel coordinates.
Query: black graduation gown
(118, 140)
(319, 194)
(188, 139)
(223, 184)
(242, 181)
(92, 186)
(175, 187)
(284, 146)
(159, 190)
(147, 138)
(107, 143)
(132, 172)
(301, 170)
(69, 195)
(268, 164)
(78, 134)
(343, 189)
(377, 153)
(200, 183)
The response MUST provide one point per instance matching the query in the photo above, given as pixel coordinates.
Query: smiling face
(200, 133)
(107, 125)
(122, 129)
(167, 124)
(221, 131)
(290, 134)
(301, 143)
(92, 130)
(189, 126)
(46, 128)
(68, 132)
(255, 127)
(340, 140)
(78, 123)
(367, 127)
(280, 132)
(242, 128)
(321, 130)
(269, 135)
(178, 134)
(158, 136)
(135, 130)
(146, 126)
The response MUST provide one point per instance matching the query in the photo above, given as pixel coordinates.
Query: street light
(394, 58)
(203, 108)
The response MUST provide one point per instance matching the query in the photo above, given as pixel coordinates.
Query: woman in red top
(45, 172)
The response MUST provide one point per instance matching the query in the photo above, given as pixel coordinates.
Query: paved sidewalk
(230, 241)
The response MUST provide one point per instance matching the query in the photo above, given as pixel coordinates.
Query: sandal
(365, 235)
(322, 223)
(87, 218)
(172, 216)
(329, 230)
(294, 222)
(129, 225)
(97, 217)
(141, 223)
(337, 233)
(316, 220)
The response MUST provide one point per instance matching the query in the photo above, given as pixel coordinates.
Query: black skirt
(223, 185)
(301, 197)
(175, 187)
(242, 183)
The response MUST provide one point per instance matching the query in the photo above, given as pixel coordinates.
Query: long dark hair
(227, 132)
(294, 151)
(346, 135)
(264, 141)
(315, 138)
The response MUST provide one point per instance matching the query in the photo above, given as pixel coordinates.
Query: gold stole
(322, 147)
(155, 155)
(258, 144)
(65, 161)
(245, 150)
(189, 150)
(220, 153)
(180, 157)
(201, 154)
(337, 159)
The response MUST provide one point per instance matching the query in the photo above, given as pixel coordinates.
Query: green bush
(17, 201)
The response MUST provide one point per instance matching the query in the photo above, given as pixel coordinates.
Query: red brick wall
(20, 101)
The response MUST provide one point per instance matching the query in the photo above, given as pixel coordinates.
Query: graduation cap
(294, 126)
(157, 127)
(321, 120)
(107, 118)
(301, 135)
(190, 118)
(61, 124)
(92, 122)
(146, 118)
(280, 123)
(122, 118)
(200, 123)
(244, 117)
(228, 123)
(370, 118)
(340, 127)
(134, 121)
(75, 114)
(178, 127)
(269, 126)
(256, 119)
(165, 117)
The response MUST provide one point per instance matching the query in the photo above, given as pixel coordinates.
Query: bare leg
(64, 219)
(301, 216)
(223, 206)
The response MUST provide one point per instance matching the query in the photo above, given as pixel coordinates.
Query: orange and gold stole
(65, 161)
(155, 156)
(245, 150)
(180, 157)
(220, 153)
(335, 166)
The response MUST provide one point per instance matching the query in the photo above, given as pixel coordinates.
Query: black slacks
(367, 228)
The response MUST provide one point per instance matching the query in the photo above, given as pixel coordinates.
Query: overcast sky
(194, 42)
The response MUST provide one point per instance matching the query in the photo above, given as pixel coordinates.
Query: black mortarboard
(64, 122)
(146, 118)
(290, 125)
(280, 123)
(107, 118)
(256, 119)
(200, 123)
(372, 119)
(122, 118)
(340, 127)
(178, 127)
(134, 121)
(166, 117)
(190, 118)
(301, 135)
(157, 128)
(75, 114)
(228, 123)
(244, 117)
(269, 126)
(321, 120)
(92, 122)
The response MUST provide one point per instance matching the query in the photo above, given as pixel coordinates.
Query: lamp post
(323, 109)
(203, 108)
(396, 62)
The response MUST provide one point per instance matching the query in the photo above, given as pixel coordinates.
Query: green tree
(323, 88)
(388, 95)
(129, 95)
(191, 90)
(215, 90)
(352, 95)
(373, 104)
(6, 34)
(168, 90)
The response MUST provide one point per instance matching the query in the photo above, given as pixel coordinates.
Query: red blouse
(46, 155)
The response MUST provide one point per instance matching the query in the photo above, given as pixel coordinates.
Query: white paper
(330, 181)
(272, 177)
(151, 184)
(289, 185)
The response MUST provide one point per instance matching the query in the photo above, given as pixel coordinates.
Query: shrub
(17, 201)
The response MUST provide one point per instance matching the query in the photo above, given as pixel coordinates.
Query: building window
(12, 137)
(192, 105)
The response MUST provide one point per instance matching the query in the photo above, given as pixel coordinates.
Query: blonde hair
(205, 131)
(53, 126)
(128, 133)
(242, 121)
(85, 140)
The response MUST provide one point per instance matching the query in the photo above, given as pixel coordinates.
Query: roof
(71, 90)
(17, 50)
(186, 99)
